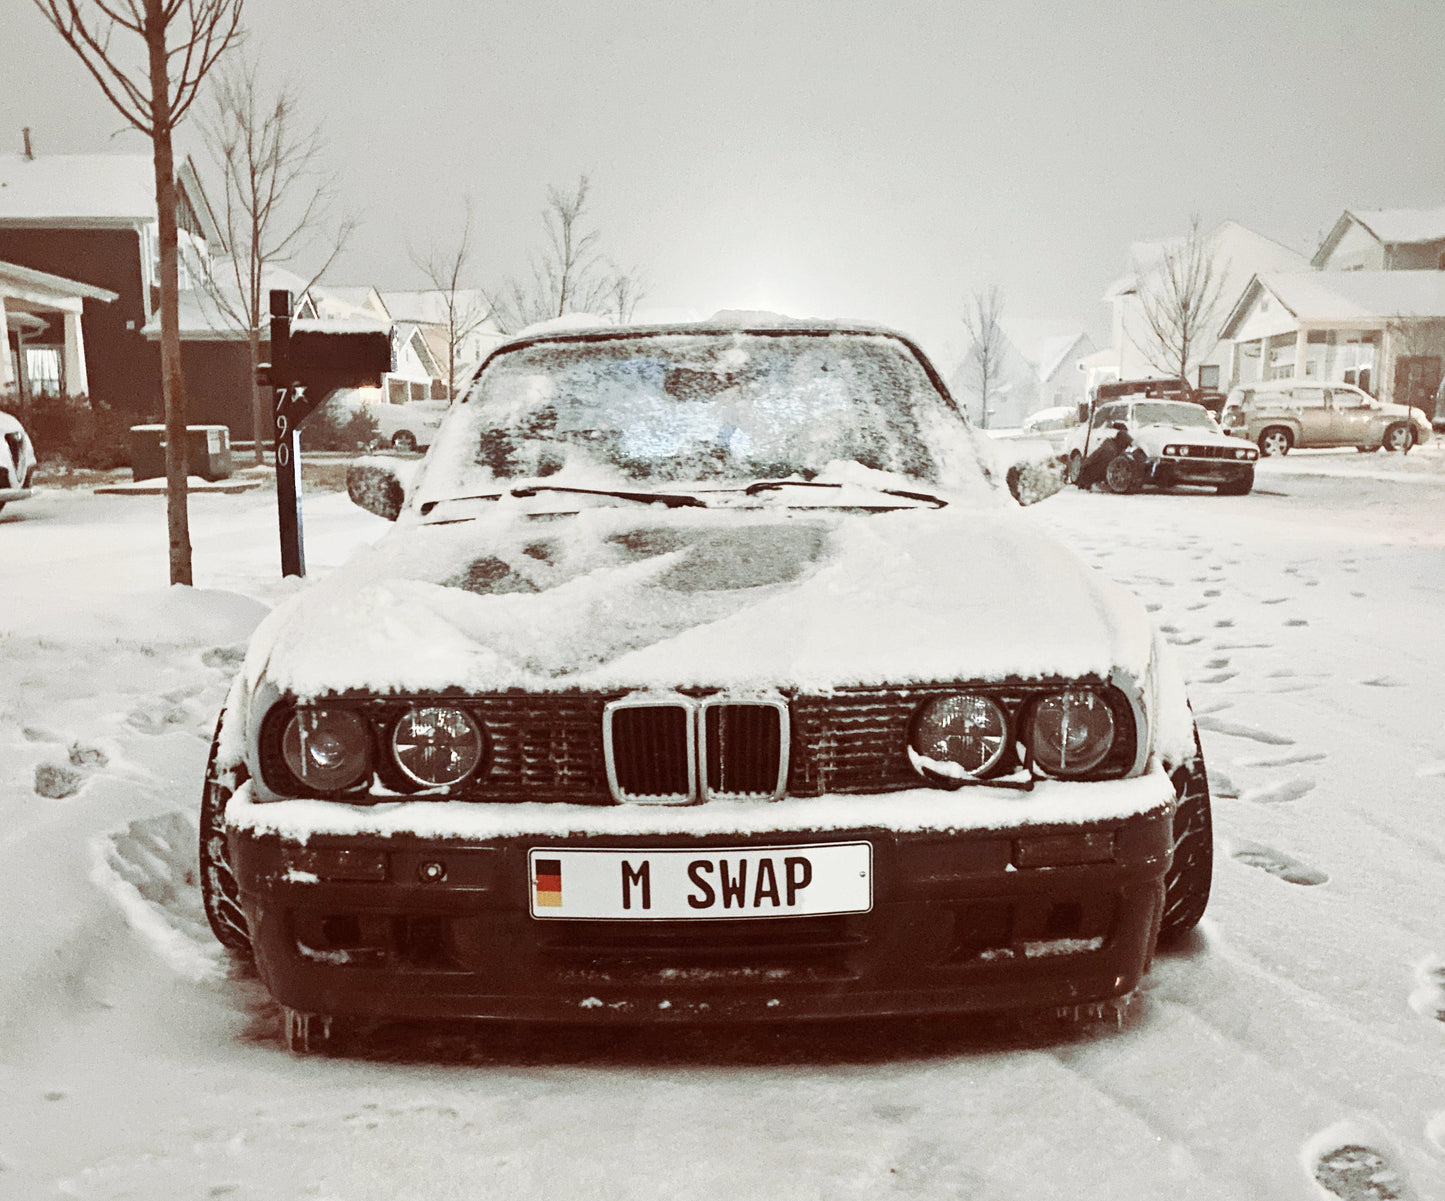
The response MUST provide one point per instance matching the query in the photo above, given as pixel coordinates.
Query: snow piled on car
(640, 597)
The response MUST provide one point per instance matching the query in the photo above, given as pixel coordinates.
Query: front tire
(1276, 440)
(1186, 886)
(1123, 475)
(1240, 487)
(220, 894)
(1398, 437)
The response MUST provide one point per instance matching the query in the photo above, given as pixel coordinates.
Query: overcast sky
(828, 157)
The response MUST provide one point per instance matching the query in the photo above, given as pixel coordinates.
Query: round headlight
(436, 745)
(957, 737)
(326, 749)
(1071, 732)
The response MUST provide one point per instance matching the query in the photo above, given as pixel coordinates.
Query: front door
(1416, 378)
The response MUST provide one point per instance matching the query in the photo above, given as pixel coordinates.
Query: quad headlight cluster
(1242, 453)
(335, 749)
(966, 736)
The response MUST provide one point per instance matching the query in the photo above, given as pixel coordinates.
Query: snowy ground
(1307, 1016)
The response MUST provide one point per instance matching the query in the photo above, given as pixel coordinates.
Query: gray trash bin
(208, 451)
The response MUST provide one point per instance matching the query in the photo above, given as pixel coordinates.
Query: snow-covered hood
(638, 596)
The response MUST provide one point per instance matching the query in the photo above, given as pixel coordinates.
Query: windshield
(712, 408)
(1188, 415)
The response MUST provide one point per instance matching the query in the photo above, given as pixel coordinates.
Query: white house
(1238, 254)
(1384, 240)
(1383, 331)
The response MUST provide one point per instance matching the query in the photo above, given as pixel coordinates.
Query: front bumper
(957, 924)
(1168, 472)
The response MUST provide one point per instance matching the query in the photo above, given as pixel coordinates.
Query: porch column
(7, 377)
(73, 373)
(1301, 352)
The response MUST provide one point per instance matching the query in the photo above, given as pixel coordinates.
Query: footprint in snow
(227, 658)
(1185, 641)
(1296, 621)
(56, 781)
(1428, 999)
(1215, 664)
(1275, 600)
(174, 709)
(1220, 785)
(1278, 794)
(1354, 1172)
(1383, 682)
(1240, 730)
(1219, 677)
(1224, 623)
(1277, 863)
(1211, 592)
(1280, 760)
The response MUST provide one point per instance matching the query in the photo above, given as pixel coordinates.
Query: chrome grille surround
(761, 754)
(649, 747)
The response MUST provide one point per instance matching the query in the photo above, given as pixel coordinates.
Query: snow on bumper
(978, 900)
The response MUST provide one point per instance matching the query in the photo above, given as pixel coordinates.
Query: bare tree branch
(275, 199)
(465, 314)
(982, 318)
(572, 276)
(1179, 297)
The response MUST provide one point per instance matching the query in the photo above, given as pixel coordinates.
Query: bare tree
(274, 202)
(465, 310)
(982, 319)
(572, 275)
(1179, 297)
(181, 39)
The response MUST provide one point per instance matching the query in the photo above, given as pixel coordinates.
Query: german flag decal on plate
(547, 881)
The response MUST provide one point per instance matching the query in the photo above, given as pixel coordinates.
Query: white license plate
(730, 882)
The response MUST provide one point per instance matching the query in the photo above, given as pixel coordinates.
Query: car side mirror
(1033, 480)
(377, 486)
(1118, 425)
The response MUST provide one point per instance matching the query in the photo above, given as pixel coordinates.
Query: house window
(1209, 377)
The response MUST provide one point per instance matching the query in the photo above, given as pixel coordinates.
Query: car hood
(638, 597)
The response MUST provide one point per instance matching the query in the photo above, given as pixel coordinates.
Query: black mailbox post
(307, 365)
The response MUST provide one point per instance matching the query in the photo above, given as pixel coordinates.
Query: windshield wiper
(673, 500)
(760, 486)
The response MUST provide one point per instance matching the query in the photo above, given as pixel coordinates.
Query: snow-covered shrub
(338, 425)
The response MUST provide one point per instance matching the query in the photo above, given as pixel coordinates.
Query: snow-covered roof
(1404, 225)
(1343, 297)
(104, 189)
(1236, 247)
(333, 300)
(14, 277)
(206, 311)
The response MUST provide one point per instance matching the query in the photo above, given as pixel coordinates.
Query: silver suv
(1281, 414)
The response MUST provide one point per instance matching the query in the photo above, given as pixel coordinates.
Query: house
(1383, 331)
(418, 375)
(1238, 254)
(1384, 240)
(1038, 369)
(90, 219)
(42, 338)
(469, 314)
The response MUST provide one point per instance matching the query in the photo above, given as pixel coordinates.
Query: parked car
(710, 672)
(1278, 415)
(1170, 442)
(409, 426)
(1052, 425)
(17, 460)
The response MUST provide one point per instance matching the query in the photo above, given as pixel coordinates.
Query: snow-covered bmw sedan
(710, 672)
(1168, 442)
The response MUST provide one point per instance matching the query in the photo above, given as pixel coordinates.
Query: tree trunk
(260, 397)
(172, 382)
